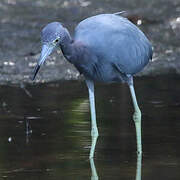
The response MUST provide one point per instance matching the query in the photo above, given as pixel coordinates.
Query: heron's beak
(45, 52)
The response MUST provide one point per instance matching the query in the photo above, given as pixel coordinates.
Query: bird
(104, 48)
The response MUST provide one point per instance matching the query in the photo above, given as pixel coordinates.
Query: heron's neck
(72, 50)
(67, 45)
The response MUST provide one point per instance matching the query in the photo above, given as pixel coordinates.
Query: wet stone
(22, 21)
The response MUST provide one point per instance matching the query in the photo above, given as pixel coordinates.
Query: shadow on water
(45, 131)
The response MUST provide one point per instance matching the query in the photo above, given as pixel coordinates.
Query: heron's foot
(137, 116)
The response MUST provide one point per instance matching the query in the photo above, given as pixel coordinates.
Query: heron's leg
(94, 129)
(136, 116)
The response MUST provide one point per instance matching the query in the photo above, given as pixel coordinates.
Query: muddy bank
(21, 22)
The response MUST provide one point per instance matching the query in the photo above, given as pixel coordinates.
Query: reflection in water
(22, 86)
(94, 174)
(83, 106)
(28, 130)
(79, 108)
(139, 166)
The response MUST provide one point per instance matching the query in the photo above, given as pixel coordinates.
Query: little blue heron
(105, 48)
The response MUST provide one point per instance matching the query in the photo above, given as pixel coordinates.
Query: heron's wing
(115, 40)
(133, 55)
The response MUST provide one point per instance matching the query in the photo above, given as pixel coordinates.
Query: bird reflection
(22, 86)
(94, 175)
(139, 167)
(28, 130)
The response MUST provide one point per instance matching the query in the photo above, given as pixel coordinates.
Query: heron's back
(116, 42)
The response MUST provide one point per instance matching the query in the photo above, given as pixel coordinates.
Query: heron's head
(51, 36)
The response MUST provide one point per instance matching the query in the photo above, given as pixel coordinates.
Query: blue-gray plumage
(118, 47)
(106, 48)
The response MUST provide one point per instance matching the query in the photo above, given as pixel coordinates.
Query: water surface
(57, 146)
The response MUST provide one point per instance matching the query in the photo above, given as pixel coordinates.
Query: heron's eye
(56, 41)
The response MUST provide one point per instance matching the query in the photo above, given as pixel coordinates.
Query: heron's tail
(119, 13)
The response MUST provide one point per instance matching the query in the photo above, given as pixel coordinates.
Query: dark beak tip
(32, 78)
(35, 72)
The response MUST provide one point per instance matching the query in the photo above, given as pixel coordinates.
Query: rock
(21, 23)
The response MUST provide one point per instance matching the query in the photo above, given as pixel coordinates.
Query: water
(58, 142)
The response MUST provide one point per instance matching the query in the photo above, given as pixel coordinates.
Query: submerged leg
(94, 130)
(136, 116)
